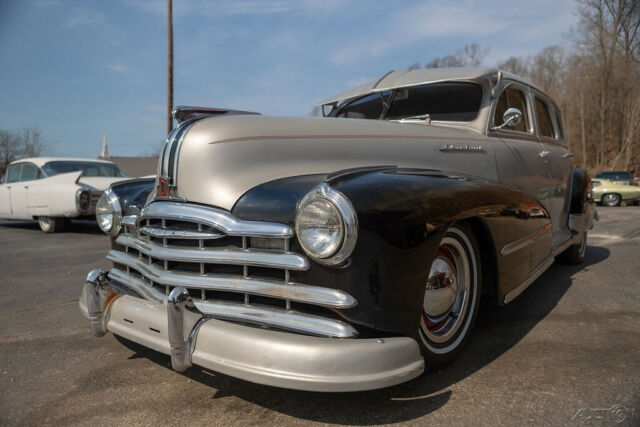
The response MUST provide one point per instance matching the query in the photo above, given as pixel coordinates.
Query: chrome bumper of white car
(262, 356)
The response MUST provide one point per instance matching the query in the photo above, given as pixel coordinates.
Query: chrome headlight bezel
(348, 221)
(116, 210)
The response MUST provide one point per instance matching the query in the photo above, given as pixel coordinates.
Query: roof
(137, 166)
(39, 161)
(396, 79)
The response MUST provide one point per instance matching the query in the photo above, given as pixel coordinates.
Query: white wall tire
(51, 224)
(452, 297)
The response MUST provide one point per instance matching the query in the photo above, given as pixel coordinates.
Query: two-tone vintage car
(55, 189)
(344, 252)
(611, 194)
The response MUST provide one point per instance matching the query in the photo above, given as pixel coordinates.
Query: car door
(520, 165)
(559, 162)
(18, 196)
(12, 178)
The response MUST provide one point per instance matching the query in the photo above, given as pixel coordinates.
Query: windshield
(87, 168)
(448, 101)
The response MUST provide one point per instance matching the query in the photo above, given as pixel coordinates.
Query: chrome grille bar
(317, 295)
(233, 256)
(289, 320)
(215, 218)
(139, 286)
(164, 233)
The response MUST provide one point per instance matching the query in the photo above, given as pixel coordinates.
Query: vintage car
(53, 190)
(344, 252)
(611, 194)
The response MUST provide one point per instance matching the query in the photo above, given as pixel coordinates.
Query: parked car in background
(616, 177)
(611, 194)
(344, 252)
(53, 190)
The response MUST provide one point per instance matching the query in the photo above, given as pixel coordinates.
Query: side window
(29, 172)
(545, 126)
(13, 175)
(512, 98)
(367, 107)
(559, 122)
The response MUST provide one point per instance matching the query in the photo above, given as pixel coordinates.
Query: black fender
(403, 215)
(582, 211)
(132, 194)
(580, 191)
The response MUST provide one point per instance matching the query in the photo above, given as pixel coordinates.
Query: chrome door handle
(26, 186)
(544, 153)
(567, 155)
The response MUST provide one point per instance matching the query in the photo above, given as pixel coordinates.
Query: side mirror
(511, 118)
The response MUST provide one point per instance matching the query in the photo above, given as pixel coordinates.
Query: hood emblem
(163, 187)
(465, 148)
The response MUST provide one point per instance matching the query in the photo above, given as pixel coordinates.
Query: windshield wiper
(422, 118)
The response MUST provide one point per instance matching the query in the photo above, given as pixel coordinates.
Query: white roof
(39, 161)
(396, 79)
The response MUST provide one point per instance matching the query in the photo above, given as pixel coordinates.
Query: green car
(610, 194)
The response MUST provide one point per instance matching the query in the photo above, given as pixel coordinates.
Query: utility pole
(169, 66)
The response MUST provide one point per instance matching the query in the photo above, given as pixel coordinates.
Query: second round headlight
(108, 213)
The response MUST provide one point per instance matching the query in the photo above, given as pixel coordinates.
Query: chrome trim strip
(525, 241)
(541, 268)
(316, 295)
(233, 256)
(216, 218)
(289, 320)
(178, 234)
(562, 246)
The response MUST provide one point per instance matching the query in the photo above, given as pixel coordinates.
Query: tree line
(594, 79)
(25, 142)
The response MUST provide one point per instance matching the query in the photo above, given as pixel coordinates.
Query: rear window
(87, 168)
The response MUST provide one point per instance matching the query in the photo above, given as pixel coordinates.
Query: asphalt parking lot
(567, 351)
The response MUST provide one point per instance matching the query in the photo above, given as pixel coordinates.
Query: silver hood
(221, 158)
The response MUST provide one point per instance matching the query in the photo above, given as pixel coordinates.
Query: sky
(77, 69)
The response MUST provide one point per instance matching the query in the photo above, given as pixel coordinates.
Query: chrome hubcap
(446, 294)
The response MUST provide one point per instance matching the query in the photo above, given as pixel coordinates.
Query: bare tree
(470, 55)
(26, 142)
(515, 65)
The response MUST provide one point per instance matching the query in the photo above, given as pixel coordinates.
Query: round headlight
(108, 213)
(326, 225)
(319, 227)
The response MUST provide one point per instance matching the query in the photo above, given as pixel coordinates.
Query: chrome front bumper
(258, 355)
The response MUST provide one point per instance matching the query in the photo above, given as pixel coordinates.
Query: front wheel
(574, 254)
(51, 224)
(611, 199)
(452, 296)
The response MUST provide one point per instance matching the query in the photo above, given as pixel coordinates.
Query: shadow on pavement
(497, 330)
(74, 226)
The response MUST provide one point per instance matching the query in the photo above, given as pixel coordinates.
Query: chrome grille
(229, 266)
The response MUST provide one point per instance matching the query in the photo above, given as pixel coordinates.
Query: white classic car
(52, 190)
